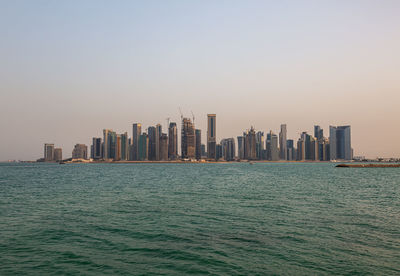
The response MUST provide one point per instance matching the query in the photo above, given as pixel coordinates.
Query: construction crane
(192, 116)
(180, 111)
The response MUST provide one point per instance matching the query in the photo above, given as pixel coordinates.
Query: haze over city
(71, 69)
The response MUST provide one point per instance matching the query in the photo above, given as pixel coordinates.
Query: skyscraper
(228, 149)
(259, 145)
(157, 138)
(172, 141)
(188, 139)
(203, 151)
(124, 146)
(272, 146)
(250, 151)
(340, 142)
(136, 132)
(240, 140)
(80, 151)
(301, 150)
(198, 144)
(164, 147)
(109, 144)
(106, 143)
(118, 148)
(218, 151)
(143, 147)
(151, 131)
(57, 154)
(211, 136)
(318, 132)
(283, 142)
(290, 150)
(48, 152)
(96, 148)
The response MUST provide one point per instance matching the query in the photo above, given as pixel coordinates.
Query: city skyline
(72, 68)
(153, 144)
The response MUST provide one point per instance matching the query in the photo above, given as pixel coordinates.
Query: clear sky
(68, 69)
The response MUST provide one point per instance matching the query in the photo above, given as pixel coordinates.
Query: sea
(199, 219)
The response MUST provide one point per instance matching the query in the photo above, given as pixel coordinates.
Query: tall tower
(96, 148)
(172, 141)
(136, 132)
(107, 143)
(48, 152)
(151, 132)
(211, 136)
(188, 140)
(283, 143)
(124, 146)
(198, 144)
(158, 145)
(340, 142)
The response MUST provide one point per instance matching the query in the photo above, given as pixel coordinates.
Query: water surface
(218, 219)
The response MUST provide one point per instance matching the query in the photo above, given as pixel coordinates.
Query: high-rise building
(172, 141)
(57, 154)
(203, 151)
(283, 142)
(340, 143)
(136, 132)
(96, 148)
(151, 132)
(290, 150)
(48, 152)
(314, 149)
(240, 140)
(164, 147)
(80, 151)
(117, 156)
(198, 144)
(228, 149)
(309, 146)
(323, 149)
(188, 140)
(211, 136)
(259, 145)
(272, 146)
(250, 150)
(124, 146)
(301, 150)
(109, 144)
(318, 132)
(106, 143)
(218, 152)
(158, 136)
(143, 147)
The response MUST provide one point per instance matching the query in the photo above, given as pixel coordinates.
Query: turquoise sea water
(217, 219)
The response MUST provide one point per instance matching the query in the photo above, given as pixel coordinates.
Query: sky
(69, 69)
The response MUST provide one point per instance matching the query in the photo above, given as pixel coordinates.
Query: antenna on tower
(168, 122)
(192, 116)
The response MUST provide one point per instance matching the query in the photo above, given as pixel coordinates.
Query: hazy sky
(68, 69)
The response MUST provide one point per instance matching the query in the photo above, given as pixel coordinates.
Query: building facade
(198, 144)
(58, 154)
(172, 141)
(211, 136)
(48, 152)
(188, 139)
(136, 132)
(96, 149)
(80, 151)
(283, 142)
(340, 143)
